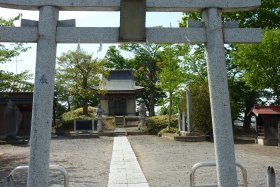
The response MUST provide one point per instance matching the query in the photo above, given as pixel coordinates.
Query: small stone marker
(99, 112)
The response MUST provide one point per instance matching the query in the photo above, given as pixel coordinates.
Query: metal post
(10, 178)
(270, 177)
(189, 110)
(211, 163)
(219, 98)
(75, 125)
(38, 173)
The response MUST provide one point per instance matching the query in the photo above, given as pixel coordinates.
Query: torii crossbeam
(48, 31)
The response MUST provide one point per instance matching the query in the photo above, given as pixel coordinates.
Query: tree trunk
(153, 80)
(85, 100)
(249, 103)
(152, 103)
(85, 107)
(170, 108)
(147, 104)
(68, 105)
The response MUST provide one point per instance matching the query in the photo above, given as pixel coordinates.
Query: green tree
(260, 63)
(146, 68)
(266, 16)
(6, 54)
(9, 80)
(15, 82)
(115, 60)
(243, 95)
(78, 76)
(201, 110)
(171, 76)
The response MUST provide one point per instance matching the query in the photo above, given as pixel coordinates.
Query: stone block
(152, 5)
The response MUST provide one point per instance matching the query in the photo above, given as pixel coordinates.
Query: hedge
(153, 125)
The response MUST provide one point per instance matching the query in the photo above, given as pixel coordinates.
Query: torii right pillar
(219, 98)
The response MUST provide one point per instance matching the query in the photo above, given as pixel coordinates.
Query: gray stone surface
(245, 35)
(110, 35)
(18, 34)
(124, 168)
(142, 113)
(219, 99)
(152, 5)
(183, 122)
(43, 98)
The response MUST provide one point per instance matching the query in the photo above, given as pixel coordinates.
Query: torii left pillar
(43, 98)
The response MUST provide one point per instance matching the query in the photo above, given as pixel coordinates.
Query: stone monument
(142, 115)
(189, 109)
(48, 31)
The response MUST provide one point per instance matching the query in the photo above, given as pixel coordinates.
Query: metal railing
(212, 163)
(10, 177)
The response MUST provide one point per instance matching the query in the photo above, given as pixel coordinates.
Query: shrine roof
(265, 110)
(120, 80)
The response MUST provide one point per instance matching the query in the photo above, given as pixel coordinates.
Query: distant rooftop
(266, 110)
(12, 87)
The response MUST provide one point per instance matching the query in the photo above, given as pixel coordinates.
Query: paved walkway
(124, 169)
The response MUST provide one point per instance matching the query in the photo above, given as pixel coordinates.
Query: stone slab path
(125, 171)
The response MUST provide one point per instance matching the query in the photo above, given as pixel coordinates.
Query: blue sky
(26, 61)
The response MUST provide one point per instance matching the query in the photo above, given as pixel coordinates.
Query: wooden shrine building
(16, 110)
(121, 92)
(267, 124)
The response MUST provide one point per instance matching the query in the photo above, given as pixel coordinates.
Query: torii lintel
(152, 5)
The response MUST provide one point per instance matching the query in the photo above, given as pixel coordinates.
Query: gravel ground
(86, 160)
(167, 163)
(164, 162)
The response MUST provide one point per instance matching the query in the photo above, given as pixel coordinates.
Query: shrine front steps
(120, 132)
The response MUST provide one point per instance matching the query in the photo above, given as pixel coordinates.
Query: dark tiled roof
(120, 75)
(120, 81)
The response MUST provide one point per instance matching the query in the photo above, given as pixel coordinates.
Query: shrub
(166, 130)
(155, 124)
(69, 117)
(201, 110)
(78, 114)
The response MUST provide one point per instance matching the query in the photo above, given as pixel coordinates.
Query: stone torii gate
(48, 31)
